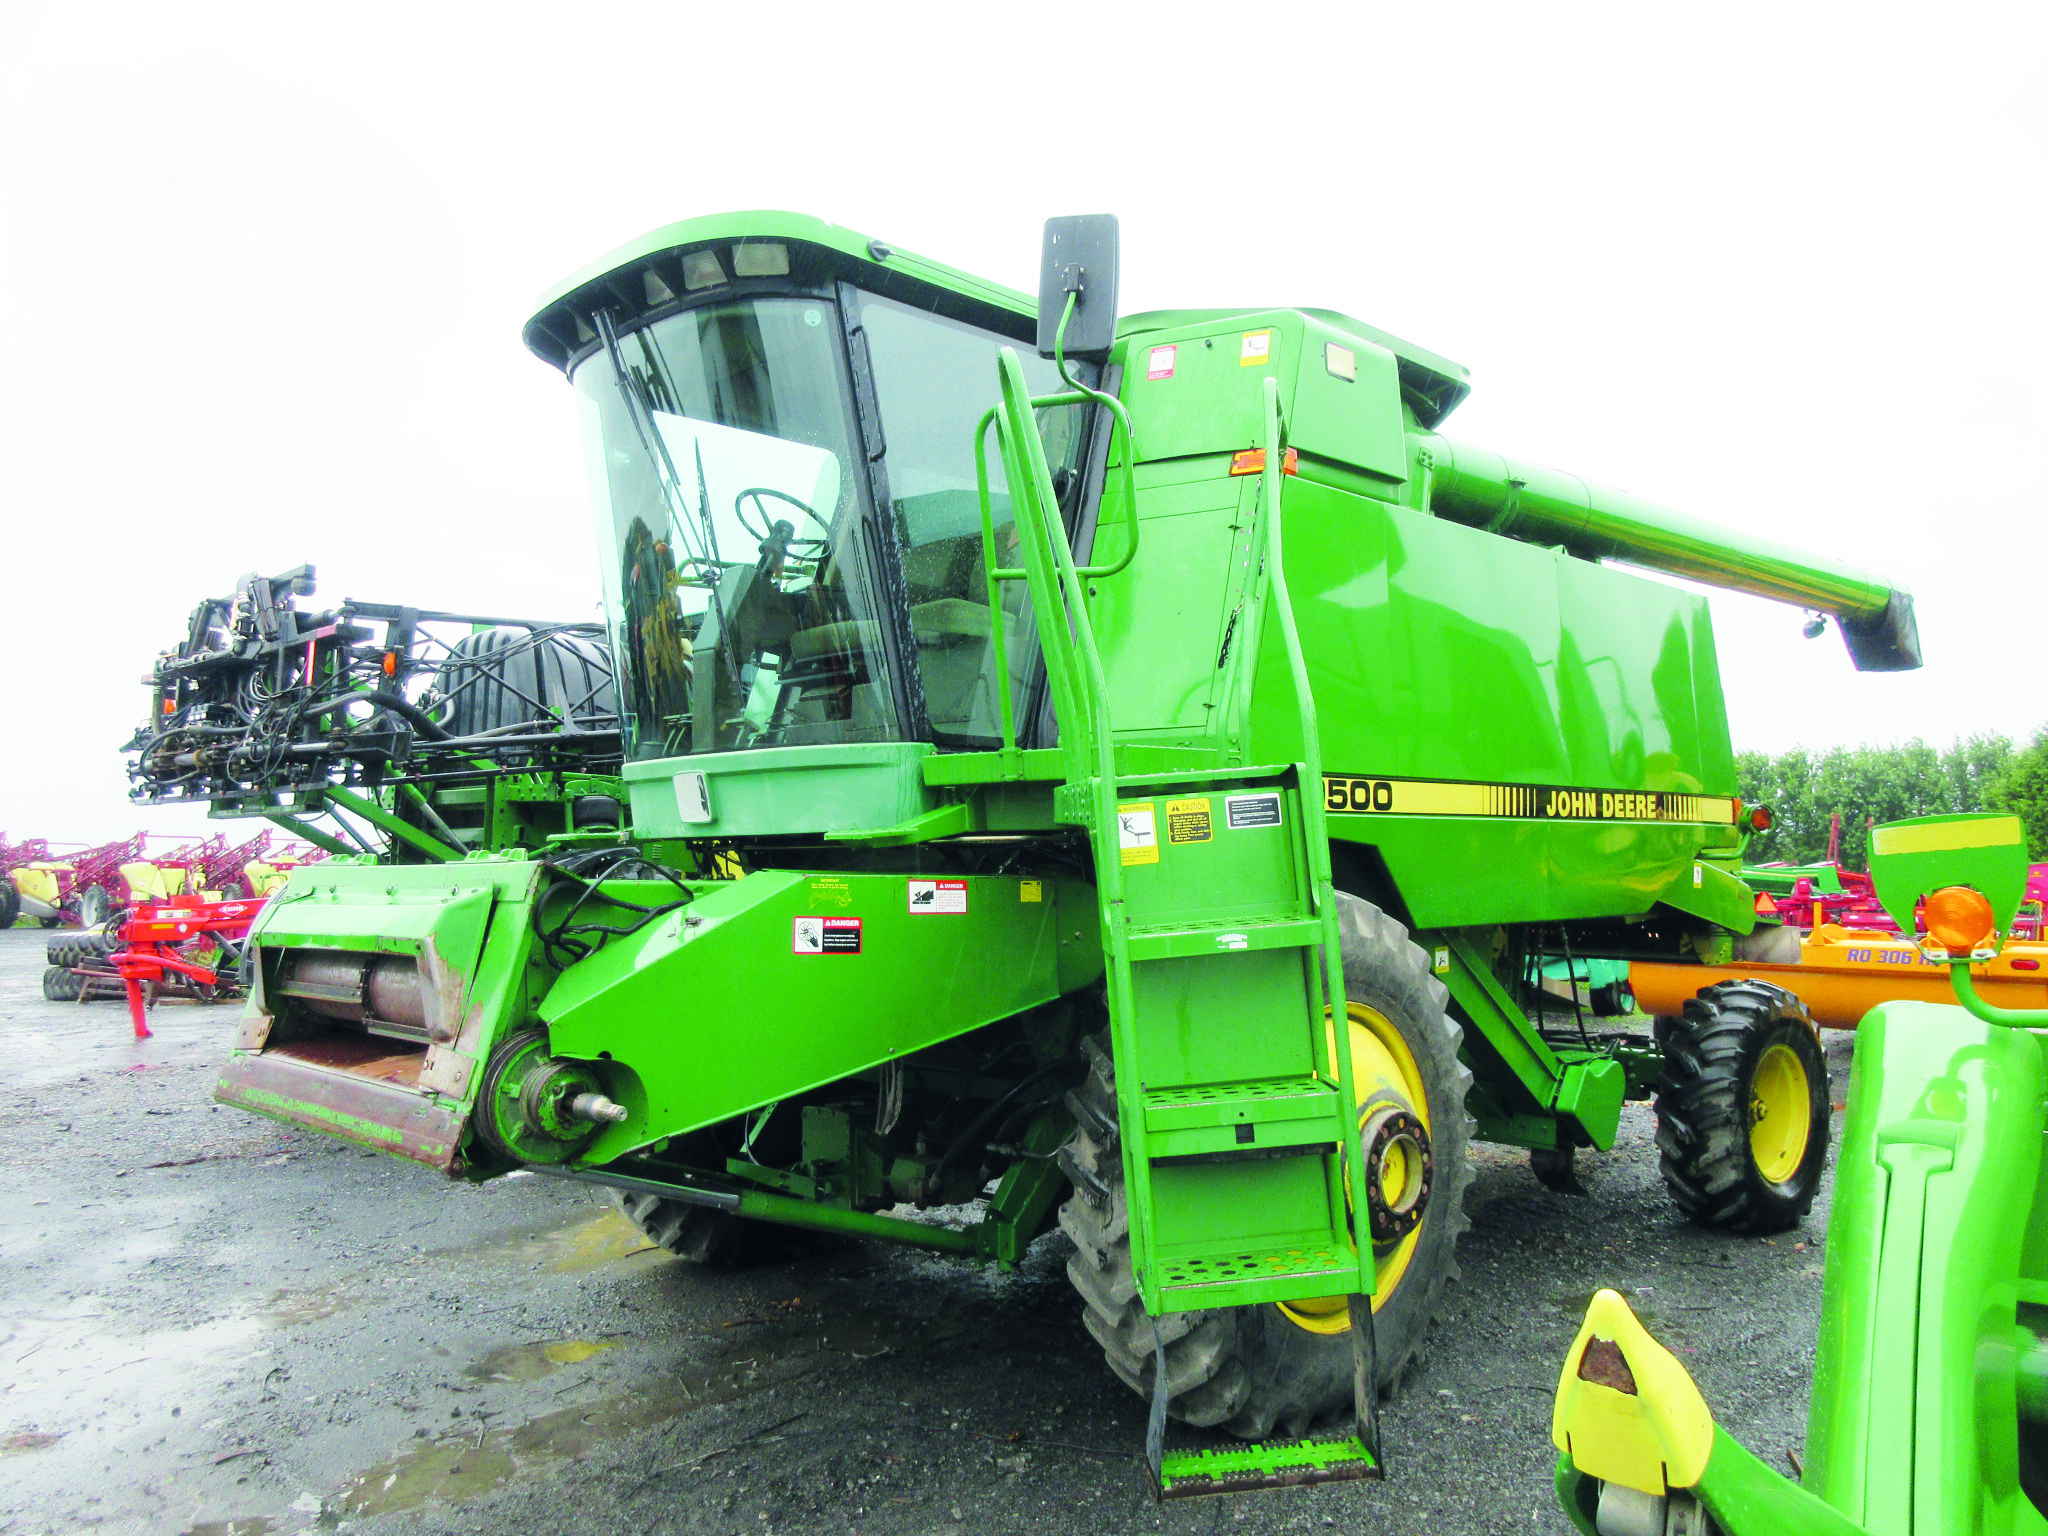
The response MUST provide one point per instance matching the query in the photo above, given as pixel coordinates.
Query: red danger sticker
(1159, 363)
(943, 896)
(826, 936)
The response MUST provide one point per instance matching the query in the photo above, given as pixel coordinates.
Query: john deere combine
(1034, 727)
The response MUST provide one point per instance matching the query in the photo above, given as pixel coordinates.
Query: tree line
(1868, 784)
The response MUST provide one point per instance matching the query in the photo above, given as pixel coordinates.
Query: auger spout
(1527, 501)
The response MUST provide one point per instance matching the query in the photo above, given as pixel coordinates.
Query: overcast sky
(265, 271)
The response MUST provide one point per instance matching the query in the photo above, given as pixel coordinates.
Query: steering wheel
(758, 492)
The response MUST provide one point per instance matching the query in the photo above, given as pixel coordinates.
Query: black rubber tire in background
(1704, 1115)
(715, 1239)
(60, 985)
(10, 902)
(1250, 1370)
(94, 906)
(74, 948)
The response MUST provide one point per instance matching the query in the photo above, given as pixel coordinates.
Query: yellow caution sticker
(1137, 832)
(1188, 821)
(1031, 890)
(1256, 347)
(830, 891)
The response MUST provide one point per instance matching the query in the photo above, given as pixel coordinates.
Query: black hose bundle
(585, 871)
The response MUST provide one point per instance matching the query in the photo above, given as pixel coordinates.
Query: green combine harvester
(1033, 730)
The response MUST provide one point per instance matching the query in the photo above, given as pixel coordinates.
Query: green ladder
(1242, 1158)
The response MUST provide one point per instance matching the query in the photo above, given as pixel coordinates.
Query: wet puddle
(530, 1362)
(287, 1308)
(472, 1462)
(602, 1240)
(582, 1244)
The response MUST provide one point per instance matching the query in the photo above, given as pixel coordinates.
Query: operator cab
(779, 420)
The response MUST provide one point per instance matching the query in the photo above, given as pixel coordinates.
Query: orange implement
(1845, 972)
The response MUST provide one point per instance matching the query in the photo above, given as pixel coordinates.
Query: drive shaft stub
(537, 1108)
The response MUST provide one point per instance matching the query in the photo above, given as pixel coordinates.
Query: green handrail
(1965, 986)
(1315, 827)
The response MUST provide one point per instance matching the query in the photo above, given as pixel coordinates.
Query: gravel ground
(214, 1325)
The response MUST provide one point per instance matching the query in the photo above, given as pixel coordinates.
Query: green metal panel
(768, 791)
(711, 1011)
(1346, 402)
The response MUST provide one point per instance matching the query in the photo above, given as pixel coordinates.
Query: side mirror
(1079, 258)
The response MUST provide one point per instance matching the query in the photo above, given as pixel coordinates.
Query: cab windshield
(749, 570)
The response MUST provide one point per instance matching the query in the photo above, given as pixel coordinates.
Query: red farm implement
(213, 867)
(183, 946)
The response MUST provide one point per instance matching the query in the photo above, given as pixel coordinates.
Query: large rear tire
(10, 902)
(1743, 1109)
(1261, 1370)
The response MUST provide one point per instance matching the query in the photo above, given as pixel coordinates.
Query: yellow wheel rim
(1780, 1114)
(1382, 1068)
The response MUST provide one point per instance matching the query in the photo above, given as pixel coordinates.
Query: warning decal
(1242, 811)
(1344, 792)
(943, 896)
(1256, 347)
(1031, 890)
(1137, 833)
(826, 936)
(1159, 365)
(1187, 821)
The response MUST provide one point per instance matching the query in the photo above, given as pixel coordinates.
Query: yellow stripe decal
(1945, 836)
(1353, 794)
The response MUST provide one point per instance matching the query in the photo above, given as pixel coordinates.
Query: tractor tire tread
(1703, 1131)
(708, 1238)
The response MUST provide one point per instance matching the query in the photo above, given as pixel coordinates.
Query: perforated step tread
(1267, 1464)
(1258, 1102)
(1287, 1270)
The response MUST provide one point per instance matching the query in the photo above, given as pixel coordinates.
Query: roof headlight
(701, 270)
(767, 259)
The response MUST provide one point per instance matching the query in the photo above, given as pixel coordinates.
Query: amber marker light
(1252, 461)
(1760, 818)
(1958, 919)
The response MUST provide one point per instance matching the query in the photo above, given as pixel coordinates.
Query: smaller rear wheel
(94, 906)
(60, 985)
(1742, 1108)
(714, 1239)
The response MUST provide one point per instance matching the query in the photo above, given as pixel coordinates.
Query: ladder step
(1259, 1101)
(1271, 1464)
(1180, 941)
(1243, 1117)
(1287, 1269)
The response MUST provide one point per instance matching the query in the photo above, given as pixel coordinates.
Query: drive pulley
(537, 1108)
